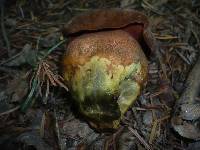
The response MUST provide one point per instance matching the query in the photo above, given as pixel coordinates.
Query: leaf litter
(32, 48)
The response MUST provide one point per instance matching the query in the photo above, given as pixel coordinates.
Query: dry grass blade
(49, 75)
(43, 74)
(60, 83)
(166, 37)
(29, 99)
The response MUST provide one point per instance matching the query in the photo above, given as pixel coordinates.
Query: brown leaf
(187, 108)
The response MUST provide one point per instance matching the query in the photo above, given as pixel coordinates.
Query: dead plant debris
(36, 112)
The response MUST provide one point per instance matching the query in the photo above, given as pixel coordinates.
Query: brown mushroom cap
(105, 19)
(117, 46)
(133, 22)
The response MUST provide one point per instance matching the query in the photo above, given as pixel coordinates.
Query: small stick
(9, 111)
(146, 145)
(5, 37)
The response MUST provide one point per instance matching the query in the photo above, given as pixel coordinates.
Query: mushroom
(104, 64)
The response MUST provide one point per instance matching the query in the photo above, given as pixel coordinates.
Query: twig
(5, 37)
(146, 145)
(9, 111)
(183, 57)
(61, 143)
(21, 11)
(11, 58)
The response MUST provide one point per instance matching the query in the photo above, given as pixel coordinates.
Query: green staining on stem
(129, 91)
(104, 91)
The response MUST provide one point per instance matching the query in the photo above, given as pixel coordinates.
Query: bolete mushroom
(104, 64)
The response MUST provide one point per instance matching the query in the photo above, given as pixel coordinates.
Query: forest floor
(36, 111)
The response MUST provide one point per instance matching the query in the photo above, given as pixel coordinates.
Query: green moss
(104, 91)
